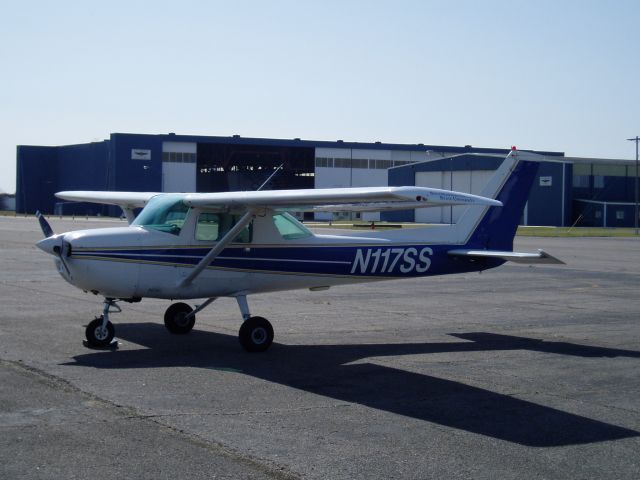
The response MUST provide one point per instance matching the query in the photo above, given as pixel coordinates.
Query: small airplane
(235, 244)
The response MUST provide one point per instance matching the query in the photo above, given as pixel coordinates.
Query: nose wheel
(99, 334)
(100, 331)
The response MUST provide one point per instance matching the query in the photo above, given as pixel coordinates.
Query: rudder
(493, 228)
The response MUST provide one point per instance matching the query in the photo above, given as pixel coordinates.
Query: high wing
(124, 199)
(339, 199)
(361, 199)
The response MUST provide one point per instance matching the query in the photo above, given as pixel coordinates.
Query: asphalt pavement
(519, 372)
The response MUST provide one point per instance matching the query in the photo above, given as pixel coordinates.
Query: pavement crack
(264, 466)
(241, 413)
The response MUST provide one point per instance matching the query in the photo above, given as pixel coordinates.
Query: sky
(546, 75)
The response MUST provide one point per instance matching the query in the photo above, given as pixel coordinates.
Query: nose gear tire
(98, 336)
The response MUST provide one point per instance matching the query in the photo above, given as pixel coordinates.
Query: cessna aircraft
(235, 244)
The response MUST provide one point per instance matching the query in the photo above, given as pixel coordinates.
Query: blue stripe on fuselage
(367, 261)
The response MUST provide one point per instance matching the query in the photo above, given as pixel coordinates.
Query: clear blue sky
(549, 75)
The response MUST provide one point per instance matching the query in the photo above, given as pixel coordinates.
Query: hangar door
(179, 166)
(467, 181)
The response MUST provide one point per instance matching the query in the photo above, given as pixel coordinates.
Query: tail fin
(493, 228)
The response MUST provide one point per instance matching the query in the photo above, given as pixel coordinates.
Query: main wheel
(256, 334)
(98, 336)
(175, 318)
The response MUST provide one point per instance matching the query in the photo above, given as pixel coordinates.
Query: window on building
(178, 157)
(342, 162)
(610, 170)
(360, 163)
(324, 162)
(598, 181)
(582, 169)
(581, 181)
(382, 164)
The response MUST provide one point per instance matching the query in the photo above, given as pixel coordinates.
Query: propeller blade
(44, 225)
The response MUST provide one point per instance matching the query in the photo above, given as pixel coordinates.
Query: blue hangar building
(589, 191)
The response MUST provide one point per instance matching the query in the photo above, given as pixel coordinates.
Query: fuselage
(275, 253)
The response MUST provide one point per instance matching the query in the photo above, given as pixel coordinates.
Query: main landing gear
(256, 333)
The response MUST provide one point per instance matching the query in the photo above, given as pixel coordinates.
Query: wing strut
(222, 243)
(129, 213)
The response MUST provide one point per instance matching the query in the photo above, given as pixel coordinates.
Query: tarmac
(517, 373)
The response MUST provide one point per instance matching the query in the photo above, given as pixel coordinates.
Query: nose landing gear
(100, 331)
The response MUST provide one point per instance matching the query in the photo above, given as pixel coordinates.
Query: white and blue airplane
(235, 244)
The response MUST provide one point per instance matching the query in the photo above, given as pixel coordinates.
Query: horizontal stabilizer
(518, 257)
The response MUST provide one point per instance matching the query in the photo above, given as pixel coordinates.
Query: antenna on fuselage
(270, 177)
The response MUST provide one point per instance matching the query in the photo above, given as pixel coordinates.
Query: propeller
(53, 244)
(44, 225)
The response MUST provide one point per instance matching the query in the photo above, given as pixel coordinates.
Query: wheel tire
(256, 334)
(97, 336)
(174, 318)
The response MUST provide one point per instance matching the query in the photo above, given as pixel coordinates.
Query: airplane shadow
(325, 370)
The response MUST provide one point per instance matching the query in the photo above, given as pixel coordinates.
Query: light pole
(635, 222)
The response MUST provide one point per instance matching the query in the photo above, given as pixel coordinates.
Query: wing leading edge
(339, 199)
(124, 199)
(328, 199)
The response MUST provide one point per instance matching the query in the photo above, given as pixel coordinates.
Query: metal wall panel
(432, 180)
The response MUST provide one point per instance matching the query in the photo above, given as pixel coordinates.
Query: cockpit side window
(211, 227)
(289, 227)
(164, 213)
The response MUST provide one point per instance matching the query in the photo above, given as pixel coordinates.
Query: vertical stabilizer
(494, 227)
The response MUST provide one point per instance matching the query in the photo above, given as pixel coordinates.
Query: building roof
(600, 161)
(297, 142)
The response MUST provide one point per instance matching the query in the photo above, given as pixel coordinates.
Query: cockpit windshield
(165, 213)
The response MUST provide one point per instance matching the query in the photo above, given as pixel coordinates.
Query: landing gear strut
(100, 331)
(256, 333)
